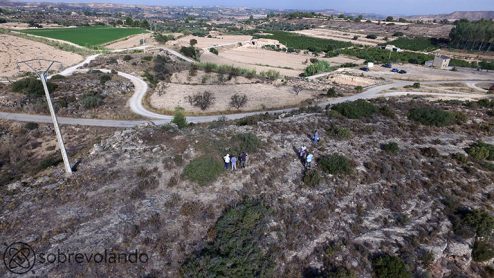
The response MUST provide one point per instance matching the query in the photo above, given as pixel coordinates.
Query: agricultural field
(297, 41)
(86, 36)
(416, 44)
(14, 49)
(342, 36)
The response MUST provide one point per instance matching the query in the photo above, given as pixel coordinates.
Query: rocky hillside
(470, 15)
(398, 188)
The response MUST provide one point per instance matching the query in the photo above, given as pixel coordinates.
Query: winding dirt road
(141, 88)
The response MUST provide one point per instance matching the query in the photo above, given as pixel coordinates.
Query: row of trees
(473, 35)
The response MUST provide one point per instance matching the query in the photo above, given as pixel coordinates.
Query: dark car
(395, 70)
(402, 72)
(364, 69)
(387, 66)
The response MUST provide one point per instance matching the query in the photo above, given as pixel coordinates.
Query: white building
(441, 62)
(393, 48)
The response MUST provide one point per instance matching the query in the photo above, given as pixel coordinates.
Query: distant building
(393, 48)
(441, 62)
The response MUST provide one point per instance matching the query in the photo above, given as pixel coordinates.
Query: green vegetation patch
(435, 117)
(236, 250)
(86, 36)
(470, 223)
(378, 55)
(415, 44)
(481, 151)
(247, 142)
(296, 41)
(339, 133)
(32, 87)
(482, 251)
(317, 67)
(386, 266)
(391, 147)
(203, 170)
(356, 109)
(336, 164)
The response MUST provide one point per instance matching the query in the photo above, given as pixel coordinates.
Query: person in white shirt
(226, 158)
(308, 160)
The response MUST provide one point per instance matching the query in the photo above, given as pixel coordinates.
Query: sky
(383, 7)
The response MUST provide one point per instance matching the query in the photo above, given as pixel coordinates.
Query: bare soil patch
(14, 49)
(341, 36)
(133, 41)
(288, 64)
(208, 42)
(260, 97)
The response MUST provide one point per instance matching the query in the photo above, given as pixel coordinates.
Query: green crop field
(86, 36)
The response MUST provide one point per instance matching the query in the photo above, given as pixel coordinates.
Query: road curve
(136, 101)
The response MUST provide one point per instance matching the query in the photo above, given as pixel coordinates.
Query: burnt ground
(130, 193)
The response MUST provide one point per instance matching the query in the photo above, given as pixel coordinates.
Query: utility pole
(42, 75)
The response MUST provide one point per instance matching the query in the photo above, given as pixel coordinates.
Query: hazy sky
(404, 7)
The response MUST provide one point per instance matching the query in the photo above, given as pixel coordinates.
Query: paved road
(136, 105)
(141, 87)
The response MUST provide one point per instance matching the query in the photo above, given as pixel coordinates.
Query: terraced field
(86, 36)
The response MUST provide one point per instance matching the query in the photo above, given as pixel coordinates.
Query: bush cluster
(356, 110)
(237, 249)
(336, 164)
(203, 170)
(435, 117)
(481, 151)
(32, 87)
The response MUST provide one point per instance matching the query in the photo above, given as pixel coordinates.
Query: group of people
(304, 154)
(231, 161)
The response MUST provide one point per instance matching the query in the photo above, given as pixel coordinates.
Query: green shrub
(481, 151)
(179, 118)
(51, 161)
(214, 51)
(469, 223)
(482, 251)
(31, 126)
(359, 89)
(311, 178)
(317, 67)
(386, 111)
(245, 142)
(435, 117)
(91, 100)
(104, 78)
(386, 266)
(127, 58)
(190, 52)
(203, 170)
(371, 36)
(356, 109)
(339, 133)
(58, 77)
(391, 147)
(271, 74)
(336, 164)
(331, 92)
(237, 247)
(32, 87)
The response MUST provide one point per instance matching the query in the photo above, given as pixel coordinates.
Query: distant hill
(471, 15)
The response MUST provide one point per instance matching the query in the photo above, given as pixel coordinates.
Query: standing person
(242, 160)
(302, 152)
(246, 159)
(234, 163)
(308, 160)
(226, 158)
(315, 137)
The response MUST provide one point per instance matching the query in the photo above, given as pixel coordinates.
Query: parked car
(402, 72)
(364, 69)
(395, 70)
(387, 66)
